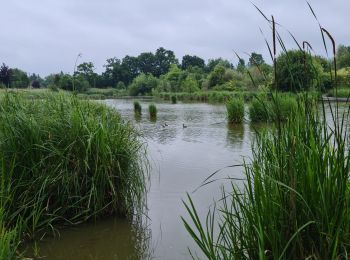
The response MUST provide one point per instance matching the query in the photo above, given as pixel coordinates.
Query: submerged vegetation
(65, 161)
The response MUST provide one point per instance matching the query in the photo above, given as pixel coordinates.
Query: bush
(296, 71)
(235, 110)
(74, 160)
(143, 84)
(283, 107)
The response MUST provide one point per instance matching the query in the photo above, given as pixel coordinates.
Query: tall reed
(73, 160)
(152, 111)
(137, 107)
(235, 110)
(295, 203)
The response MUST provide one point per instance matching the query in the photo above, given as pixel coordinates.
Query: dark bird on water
(184, 126)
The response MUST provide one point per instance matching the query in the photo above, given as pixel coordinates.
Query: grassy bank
(342, 92)
(67, 161)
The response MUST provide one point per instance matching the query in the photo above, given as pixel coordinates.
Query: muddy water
(181, 159)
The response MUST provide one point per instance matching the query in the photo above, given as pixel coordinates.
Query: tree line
(161, 71)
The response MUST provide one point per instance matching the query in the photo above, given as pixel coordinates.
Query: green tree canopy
(189, 61)
(343, 56)
(255, 59)
(297, 71)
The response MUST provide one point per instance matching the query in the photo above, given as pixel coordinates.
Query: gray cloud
(46, 36)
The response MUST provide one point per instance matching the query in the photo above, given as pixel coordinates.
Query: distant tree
(18, 79)
(35, 80)
(5, 75)
(255, 59)
(163, 59)
(190, 84)
(212, 63)
(217, 76)
(143, 84)
(326, 64)
(86, 70)
(147, 63)
(174, 78)
(343, 56)
(297, 71)
(241, 65)
(130, 69)
(189, 61)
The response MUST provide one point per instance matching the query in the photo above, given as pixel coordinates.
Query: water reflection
(112, 239)
(235, 135)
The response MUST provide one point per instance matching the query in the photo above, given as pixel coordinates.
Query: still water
(181, 159)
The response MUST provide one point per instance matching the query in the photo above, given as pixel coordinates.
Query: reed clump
(235, 110)
(71, 160)
(173, 99)
(152, 111)
(137, 108)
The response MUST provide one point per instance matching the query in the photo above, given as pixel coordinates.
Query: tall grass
(152, 111)
(173, 99)
(72, 161)
(235, 110)
(137, 108)
(295, 203)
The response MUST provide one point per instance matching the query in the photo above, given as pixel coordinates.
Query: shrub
(143, 84)
(297, 71)
(235, 110)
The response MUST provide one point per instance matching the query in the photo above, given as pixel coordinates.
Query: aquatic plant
(235, 110)
(73, 160)
(260, 110)
(137, 107)
(152, 110)
(294, 202)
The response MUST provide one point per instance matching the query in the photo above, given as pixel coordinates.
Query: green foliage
(72, 160)
(173, 99)
(255, 59)
(297, 71)
(18, 79)
(137, 107)
(294, 203)
(9, 238)
(343, 76)
(152, 110)
(260, 110)
(143, 84)
(190, 85)
(235, 110)
(341, 92)
(189, 61)
(216, 77)
(343, 56)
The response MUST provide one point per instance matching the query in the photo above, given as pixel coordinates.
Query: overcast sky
(46, 36)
